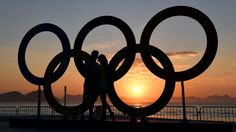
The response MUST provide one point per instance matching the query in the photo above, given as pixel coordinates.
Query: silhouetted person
(103, 85)
(91, 69)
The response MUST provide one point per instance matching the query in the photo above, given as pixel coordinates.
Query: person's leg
(83, 104)
(82, 112)
(91, 112)
(109, 108)
(92, 101)
(103, 100)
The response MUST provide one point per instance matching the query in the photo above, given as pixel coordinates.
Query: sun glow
(136, 91)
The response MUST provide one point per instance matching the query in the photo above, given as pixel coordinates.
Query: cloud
(140, 72)
(177, 55)
(108, 48)
(183, 54)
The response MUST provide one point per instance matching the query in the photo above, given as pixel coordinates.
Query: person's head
(94, 55)
(102, 59)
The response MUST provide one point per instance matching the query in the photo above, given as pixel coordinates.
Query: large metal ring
(212, 42)
(124, 28)
(66, 110)
(24, 43)
(127, 54)
(165, 96)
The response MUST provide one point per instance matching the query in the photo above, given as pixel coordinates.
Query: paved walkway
(118, 126)
(4, 127)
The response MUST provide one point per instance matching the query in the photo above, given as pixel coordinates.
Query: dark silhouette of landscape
(16, 96)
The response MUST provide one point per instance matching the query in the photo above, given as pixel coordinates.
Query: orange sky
(150, 86)
(173, 36)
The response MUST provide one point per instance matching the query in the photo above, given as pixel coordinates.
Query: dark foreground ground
(38, 125)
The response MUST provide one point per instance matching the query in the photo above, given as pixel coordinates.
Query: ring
(147, 51)
(66, 110)
(165, 96)
(24, 43)
(209, 55)
(124, 28)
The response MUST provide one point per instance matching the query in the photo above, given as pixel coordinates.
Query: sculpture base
(123, 125)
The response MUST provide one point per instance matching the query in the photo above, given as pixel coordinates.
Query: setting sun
(136, 90)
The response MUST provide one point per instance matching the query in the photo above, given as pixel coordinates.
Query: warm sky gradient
(181, 37)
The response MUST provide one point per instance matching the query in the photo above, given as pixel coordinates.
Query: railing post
(39, 102)
(183, 101)
(65, 96)
(65, 88)
(200, 114)
(17, 111)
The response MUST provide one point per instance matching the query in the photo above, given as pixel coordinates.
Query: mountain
(215, 99)
(16, 96)
(72, 98)
(191, 99)
(33, 97)
(220, 99)
(11, 97)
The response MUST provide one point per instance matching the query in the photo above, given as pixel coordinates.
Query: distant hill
(16, 96)
(33, 97)
(215, 99)
(11, 97)
(221, 99)
(72, 98)
(187, 99)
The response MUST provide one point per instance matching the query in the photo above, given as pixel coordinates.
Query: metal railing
(46, 111)
(176, 112)
(204, 113)
(218, 113)
(8, 111)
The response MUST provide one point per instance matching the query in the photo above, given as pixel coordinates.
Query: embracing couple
(96, 83)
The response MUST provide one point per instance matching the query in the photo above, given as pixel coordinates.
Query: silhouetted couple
(96, 83)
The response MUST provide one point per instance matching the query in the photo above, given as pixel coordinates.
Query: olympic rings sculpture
(127, 54)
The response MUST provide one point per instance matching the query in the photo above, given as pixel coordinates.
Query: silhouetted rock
(13, 96)
(19, 97)
(215, 99)
(16, 96)
(191, 99)
(220, 99)
(33, 97)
